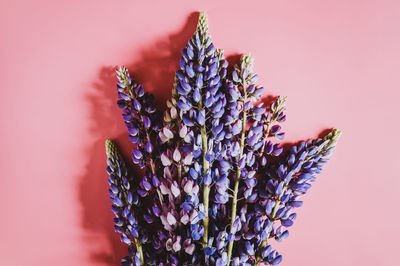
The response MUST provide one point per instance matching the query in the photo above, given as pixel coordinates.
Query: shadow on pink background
(336, 61)
(155, 68)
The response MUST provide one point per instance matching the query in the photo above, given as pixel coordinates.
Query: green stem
(238, 171)
(265, 137)
(206, 188)
(140, 250)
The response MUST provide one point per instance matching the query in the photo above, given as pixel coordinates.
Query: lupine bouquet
(217, 187)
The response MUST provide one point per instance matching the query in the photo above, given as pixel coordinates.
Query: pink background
(337, 61)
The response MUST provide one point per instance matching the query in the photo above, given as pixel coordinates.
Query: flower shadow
(155, 68)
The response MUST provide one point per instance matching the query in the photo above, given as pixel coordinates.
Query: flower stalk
(238, 173)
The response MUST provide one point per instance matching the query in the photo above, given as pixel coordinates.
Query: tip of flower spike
(121, 70)
(247, 62)
(282, 99)
(279, 104)
(123, 76)
(110, 148)
(202, 24)
(334, 136)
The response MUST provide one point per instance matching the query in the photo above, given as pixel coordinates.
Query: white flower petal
(174, 113)
(187, 138)
(188, 187)
(163, 138)
(183, 131)
(167, 173)
(176, 246)
(164, 189)
(171, 219)
(177, 155)
(188, 159)
(168, 133)
(175, 190)
(189, 249)
(165, 160)
(185, 219)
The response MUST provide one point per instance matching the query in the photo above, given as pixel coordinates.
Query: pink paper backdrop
(337, 61)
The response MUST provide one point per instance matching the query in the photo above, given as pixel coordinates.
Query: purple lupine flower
(272, 119)
(244, 142)
(221, 195)
(200, 104)
(143, 122)
(289, 180)
(123, 204)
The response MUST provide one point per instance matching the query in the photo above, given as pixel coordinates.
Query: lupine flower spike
(217, 188)
(123, 197)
